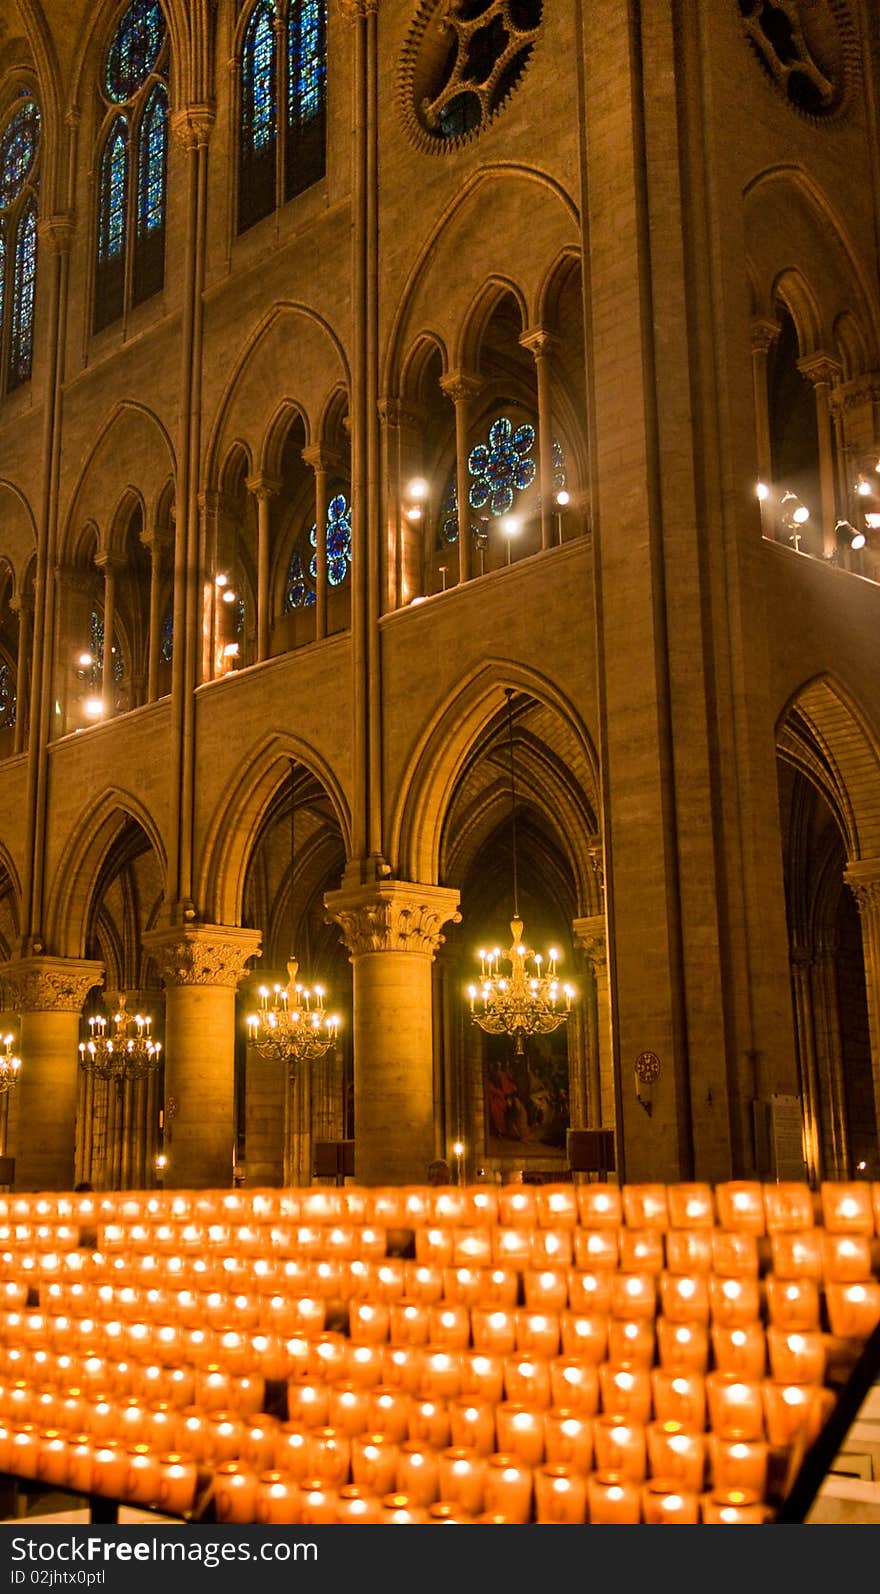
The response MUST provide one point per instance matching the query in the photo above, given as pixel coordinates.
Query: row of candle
(748, 1206)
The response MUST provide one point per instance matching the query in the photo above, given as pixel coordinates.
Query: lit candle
(568, 1439)
(847, 1208)
(599, 1206)
(449, 1325)
(846, 1258)
(278, 1499)
(482, 1375)
(472, 1425)
(389, 1412)
(689, 1250)
(645, 1206)
(402, 1367)
(330, 1456)
(734, 1302)
(472, 1247)
(527, 1380)
(416, 1472)
(625, 1391)
(676, 1454)
(574, 1385)
(52, 1457)
(585, 1335)
(666, 1504)
(732, 1508)
(560, 1494)
(512, 1247)
(641, 1251)
(259, 1443)
(398, 1510)
(363, 1366)
(408, 1323)
(369, 1322)
(428, 1423)
(853, 1309)
(735, 1405)
(741, 1206)
(793, 1303)
(461, 1475)
(738, 1464)
(520, 1432)
(790, 1410)
(740, 1350)
(734, 1255)
(493, 1329)
(631, 1341)
(620, 1446)
(550, 1248)
(224, 1436)
(597, 1250)
(788, 1205)
(537, 1333)
(317, 1502)
(79, 1464)
(679, 1397)
(308, 1401)
(292, 1451)
(142, 1477)
(684, 1296)
(796, 1358)
(109, 1470)
(423, 1282)
(507, 1488)
(545, 1289)
(440, 1377)
(356, 1507)
(436, 1245)
(612, 1498)
(374, 1462)
(235, 1492)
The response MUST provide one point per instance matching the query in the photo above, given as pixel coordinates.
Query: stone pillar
(824, 373)
(156, 544)
(863, 879)
(540, 344)
(263, 490)
(49, 993)
(462, 388)
(407, 540)
(764, 336)
(591, 936)
(805, 1036)
(110, 565)
(829, 1052)
(24, 608)
(321, 461)
(201, 967)
(392, 930)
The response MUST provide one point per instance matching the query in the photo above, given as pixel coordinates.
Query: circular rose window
(461, 62)
(808, 48)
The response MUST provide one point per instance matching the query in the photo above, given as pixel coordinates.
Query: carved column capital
(591, 936)
(863, 879)
(764, 335)
(820, 369)
(401, 414)
(320, 457)
(539, 341)
(22, 603)
(191, 127)
(206, 954)
(392, 916)
(354, 10)
(461, 385)
(56, 232)
(48, 984)
(263, 487)
(108, 561)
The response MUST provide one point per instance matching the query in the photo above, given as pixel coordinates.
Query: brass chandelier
(10, 1065)
(127, 1052)
(293, 1027)
(529, 1000)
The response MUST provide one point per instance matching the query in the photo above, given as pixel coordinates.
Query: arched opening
(794, 440)
(298, 854)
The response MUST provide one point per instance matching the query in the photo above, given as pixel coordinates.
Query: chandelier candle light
(528, 1000)
(295, 1028)
(123, 1054)
(10, 1065)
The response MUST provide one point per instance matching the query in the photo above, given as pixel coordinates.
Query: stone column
(824, 373)
(392, 930)
(263, 490)
(322, 461)
(407, 539)
(201, 966)
(110, 564)
(156, 544)
(764, 337)
(462, 388)
(863, 879)
(805, 1036)
(829, 1052)
(24, 608)
(591, 936)
(49, 993)
(540, 344)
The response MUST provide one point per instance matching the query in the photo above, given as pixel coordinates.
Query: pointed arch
(99, 825)
(823, 732)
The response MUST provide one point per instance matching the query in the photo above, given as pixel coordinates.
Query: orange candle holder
(645, 1206)
(292, 1455)
(642, 1251)
(329, 1456)
(679, 1397)
(461, 1476)
(348, 1408)
(278, 1499)
(52, 1457)
(560, 1494)
(482, 1375)
(846, 1258)
(684, 1297)
(429, 1424)
(374, 1462)
(537, 1333)
(788, 1205)
(402, 1367)
(551, 1248)
(631, 1341)
(449, 1325)
(740, 1204)
(853, 1309)
(493, 1329)
(734, 1302)
(417, 1472)
(732, 1508)
(527, 1381)
(317, 1502)
(408, 1322)
(633, 1295)
(735, 1405)
(308, 1402)
(738, 1464)
(357, 1507)
(463, 1284)
(393, 1277)
(574, 1385)
(508, 1487)
(599, 1206)
(512, 1247)
(677, 1454)
(597, 1249)
(472, 1247)
(792, 1304)
(797, 1358)
(620, 1446)
(389, 1412)
(440, 1376)
(520, 1431)
(398, 1510)
(585, 1335)
(666, 1504)
(109, 1469)
(557, 1206)
(472, 1425)
(545, 1289)
(734, 1255)
(797, 1255)
(791, 1411)
(691, 1206)
(259, 1443)
(689, 1250)
(235, 1492)
(613, 1499)
(435, 1245)
(363, 1365)
(568, 1439)
(740, 1350)
(847, 1207)
(625, 1391)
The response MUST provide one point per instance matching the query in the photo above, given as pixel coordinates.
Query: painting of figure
(526, 1095)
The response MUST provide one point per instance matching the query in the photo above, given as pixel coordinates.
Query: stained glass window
(299, 595)
(258, 99)
(111, 224)
(7, 696)
(502, 468)
(21, 341)
(19, 150)
(151, 164)
(301, 578)
(307, 61)
(167, 647)
(276, 49)
(134, 50)
(96, 641)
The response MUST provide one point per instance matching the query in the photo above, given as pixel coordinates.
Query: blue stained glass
(151, 163)
(2, 273)
(306, 61)
(449, 512)
(22, 339)
(502, 468)
(96, 641)
(559, 477)
(111, 221)
(299, 593)
(135, 49)
(258, 77)
(239, 615)
(337, 540)
(167, 647)
(18, 147)
(7, 696)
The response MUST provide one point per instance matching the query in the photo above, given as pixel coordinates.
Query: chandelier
(295, 1027)
(530, 999)
(128, 1052)
(9, 1065)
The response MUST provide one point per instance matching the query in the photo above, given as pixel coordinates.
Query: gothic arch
(78, 869)
(132, 451)
(824, 733)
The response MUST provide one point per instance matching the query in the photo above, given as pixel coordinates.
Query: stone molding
(48, 984)
(592, 937)
(354, 10)
(764, 334)
(207, 954)
(461, 385)
(539, 341)
(820, 369)
(392, 916)
(863, 879)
